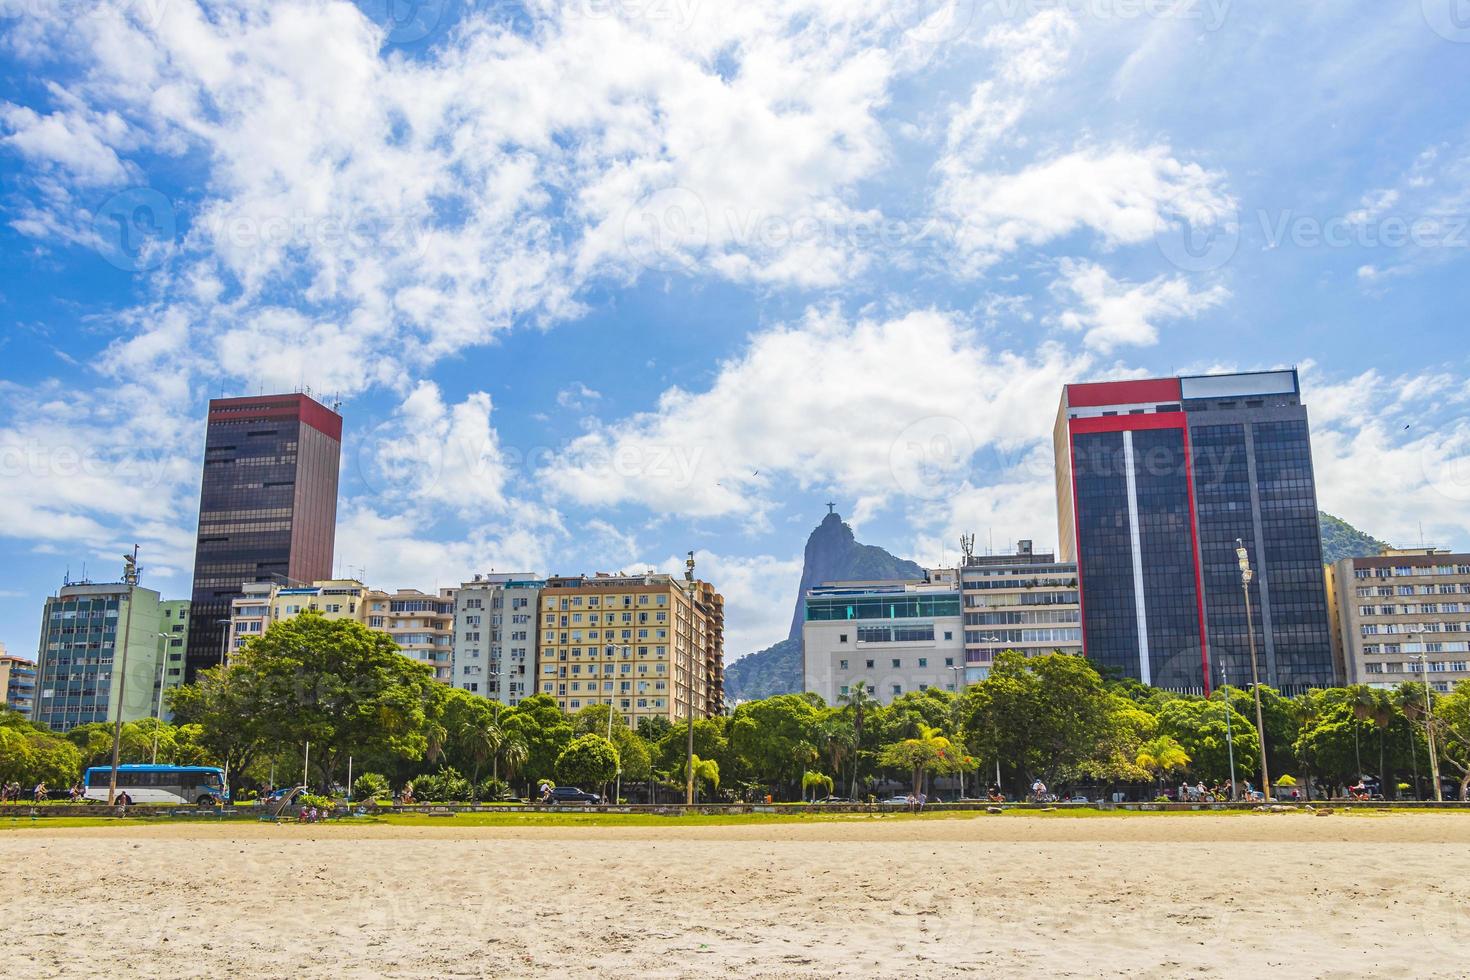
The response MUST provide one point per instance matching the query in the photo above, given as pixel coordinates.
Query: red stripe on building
(1199, 574)
(275, 408)
(1104, 393)
(1127, 423)
(1077, 536)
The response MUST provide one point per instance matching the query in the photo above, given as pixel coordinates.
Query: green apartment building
(91, 634)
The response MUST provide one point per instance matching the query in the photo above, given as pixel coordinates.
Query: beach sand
(1142, 895)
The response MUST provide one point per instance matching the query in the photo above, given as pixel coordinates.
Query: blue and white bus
(160, 784)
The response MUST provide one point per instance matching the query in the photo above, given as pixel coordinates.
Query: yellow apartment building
(637, 642)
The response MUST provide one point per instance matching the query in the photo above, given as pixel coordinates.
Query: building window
(841, 637)
(842, 665)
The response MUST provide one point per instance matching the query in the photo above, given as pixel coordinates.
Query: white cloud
(1114, 313)
(577, 396)
(1392, 453)
(431, 454)
(409, 208)
(406, 549)
(94, 472)
(879, 408)
(1120, 194)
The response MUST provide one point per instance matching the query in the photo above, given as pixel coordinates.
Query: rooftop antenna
(967, 546)
(130, 567)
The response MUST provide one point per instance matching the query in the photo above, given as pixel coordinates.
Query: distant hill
(833, 554)
(1341, 540)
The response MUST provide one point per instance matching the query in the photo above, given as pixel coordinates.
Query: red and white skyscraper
(267, 506)
(1156, 480)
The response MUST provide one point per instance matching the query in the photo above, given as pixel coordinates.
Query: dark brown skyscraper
(267, 508)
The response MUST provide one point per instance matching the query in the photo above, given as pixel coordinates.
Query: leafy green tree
(29, 754)
(222, 706)
(1337, 728)
(909, 713)
(1048, 716)
(342, 687)
(776, 739)
(1199, 728)
(590, 760)
(1452, 729)
(633, 752)
(928, 751)
(709, 743)
(653, 728)
(1128, 726)
(539, 725)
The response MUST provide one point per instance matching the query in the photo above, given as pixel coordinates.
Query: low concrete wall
(18, 811)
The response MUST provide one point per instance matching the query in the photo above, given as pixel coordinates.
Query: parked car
(563, 795)
(896, 801)
(835, 799)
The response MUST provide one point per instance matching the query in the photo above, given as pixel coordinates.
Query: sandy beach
(1151, 895)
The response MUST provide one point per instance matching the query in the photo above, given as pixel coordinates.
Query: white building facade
(891, 637)
(495, 636)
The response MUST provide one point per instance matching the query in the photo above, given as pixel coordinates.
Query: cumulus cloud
(1392, 452)
(432, 454)
(880, 408)
(408, 208)
(1113, 314)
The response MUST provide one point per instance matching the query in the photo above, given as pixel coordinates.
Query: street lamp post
(689, 751)
(1429, 724)
(958, 671)
(1229, 735)
(1245, 587)
(224, 643)
(130, 578)
(162, 679)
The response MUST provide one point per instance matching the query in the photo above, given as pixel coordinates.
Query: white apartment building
(1400, 613)
(495, 636)
(263, 603)
(421, 624)
(891, 637)
(1027, 602)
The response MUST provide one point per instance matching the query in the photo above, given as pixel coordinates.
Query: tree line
(347, 691)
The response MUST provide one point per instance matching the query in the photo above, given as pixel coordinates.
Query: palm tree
(437, 737)
(1161, 755)
(837, 740)
(814, 781)
(1360, 698)
(860, 703)
(482, 739)
(1409, 702)
(514, 751)
(705, 770)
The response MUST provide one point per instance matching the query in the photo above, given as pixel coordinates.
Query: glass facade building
(267, 507)
(1156, 481)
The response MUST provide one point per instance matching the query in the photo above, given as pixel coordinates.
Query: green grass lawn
(592, 819)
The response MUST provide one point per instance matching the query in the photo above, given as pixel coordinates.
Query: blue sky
(599, 283)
